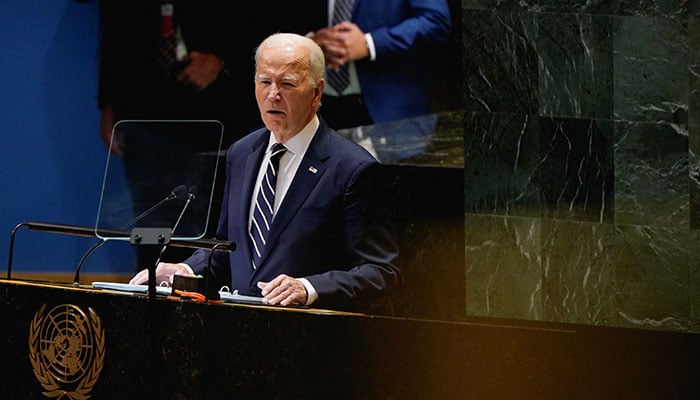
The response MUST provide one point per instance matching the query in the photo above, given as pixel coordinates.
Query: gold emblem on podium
(66, 350)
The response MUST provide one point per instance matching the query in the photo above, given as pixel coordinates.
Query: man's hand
(283, 290)
(332, 46)
(164, 273)
(353, 40)
(201, 70)
(341, 43)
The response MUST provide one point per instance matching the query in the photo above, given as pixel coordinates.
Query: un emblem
(66, 350)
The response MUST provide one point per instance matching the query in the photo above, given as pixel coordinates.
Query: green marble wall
(582, 176)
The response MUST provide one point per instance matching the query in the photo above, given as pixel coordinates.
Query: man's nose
(274, 93)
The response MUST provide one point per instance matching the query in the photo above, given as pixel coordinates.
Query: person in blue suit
(385, 44)
(331, 241)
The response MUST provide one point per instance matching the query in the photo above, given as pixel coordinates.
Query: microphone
(192, 191)
(178, 192)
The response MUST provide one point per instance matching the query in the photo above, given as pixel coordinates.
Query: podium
(173, 349)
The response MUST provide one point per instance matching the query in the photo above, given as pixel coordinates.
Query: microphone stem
(76, 277)
(144, 214)
(172, 232)
(187, 203)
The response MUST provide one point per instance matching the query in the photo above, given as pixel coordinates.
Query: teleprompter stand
(151, 237)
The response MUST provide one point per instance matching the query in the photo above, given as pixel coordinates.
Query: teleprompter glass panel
(159, 174)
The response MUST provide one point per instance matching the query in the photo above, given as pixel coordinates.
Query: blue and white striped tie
(264, 204)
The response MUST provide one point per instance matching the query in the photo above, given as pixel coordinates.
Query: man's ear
(318, 92)
(320, 86)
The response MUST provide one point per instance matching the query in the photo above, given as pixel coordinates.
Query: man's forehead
(289, 71)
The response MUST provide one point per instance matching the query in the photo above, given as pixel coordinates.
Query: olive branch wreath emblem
(67, 331)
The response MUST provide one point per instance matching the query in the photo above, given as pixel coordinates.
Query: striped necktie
(264, 204)
(168, 40)
(340, 79)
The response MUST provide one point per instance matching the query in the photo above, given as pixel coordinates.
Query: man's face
(283, 91)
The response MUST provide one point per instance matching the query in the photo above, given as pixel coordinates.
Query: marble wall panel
(575, 65)
(558, 168)
(693, 8)
(694, 71)
(501, 164)
(694, 288)
(656, 277)
(578, 272)
(577, 164)
(650, 69)
(590, 7)
(503, 267)
(694, 174)
(665, 8)
(651, 174)
(501, 5)
(500, 62)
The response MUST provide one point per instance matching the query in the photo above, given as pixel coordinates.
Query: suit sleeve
(426, 23)
(370, 238)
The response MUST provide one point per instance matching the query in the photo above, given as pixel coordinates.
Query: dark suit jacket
(332, 228)
(394, 86)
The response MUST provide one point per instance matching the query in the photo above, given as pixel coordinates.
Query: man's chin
(274, 124)
(273, 119)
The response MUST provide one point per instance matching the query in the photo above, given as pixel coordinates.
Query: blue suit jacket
(332, 228)
(394, 85)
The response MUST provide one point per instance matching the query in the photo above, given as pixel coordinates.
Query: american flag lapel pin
(313, 169)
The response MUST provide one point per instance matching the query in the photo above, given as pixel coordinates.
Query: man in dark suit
(331, 242)
(386, 45)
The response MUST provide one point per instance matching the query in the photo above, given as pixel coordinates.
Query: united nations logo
(66, 349)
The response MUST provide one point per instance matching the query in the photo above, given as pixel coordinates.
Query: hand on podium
(164, 273)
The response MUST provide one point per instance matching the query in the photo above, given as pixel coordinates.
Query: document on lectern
(159, 174)
(225, 295)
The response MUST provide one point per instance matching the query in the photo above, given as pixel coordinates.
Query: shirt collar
(299, 142)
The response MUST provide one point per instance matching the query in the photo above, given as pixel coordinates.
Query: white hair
(317, 61)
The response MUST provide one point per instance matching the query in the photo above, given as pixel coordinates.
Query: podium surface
(79, 342)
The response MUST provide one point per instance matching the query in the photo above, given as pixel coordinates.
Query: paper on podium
(226, 296)
(126, 287)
